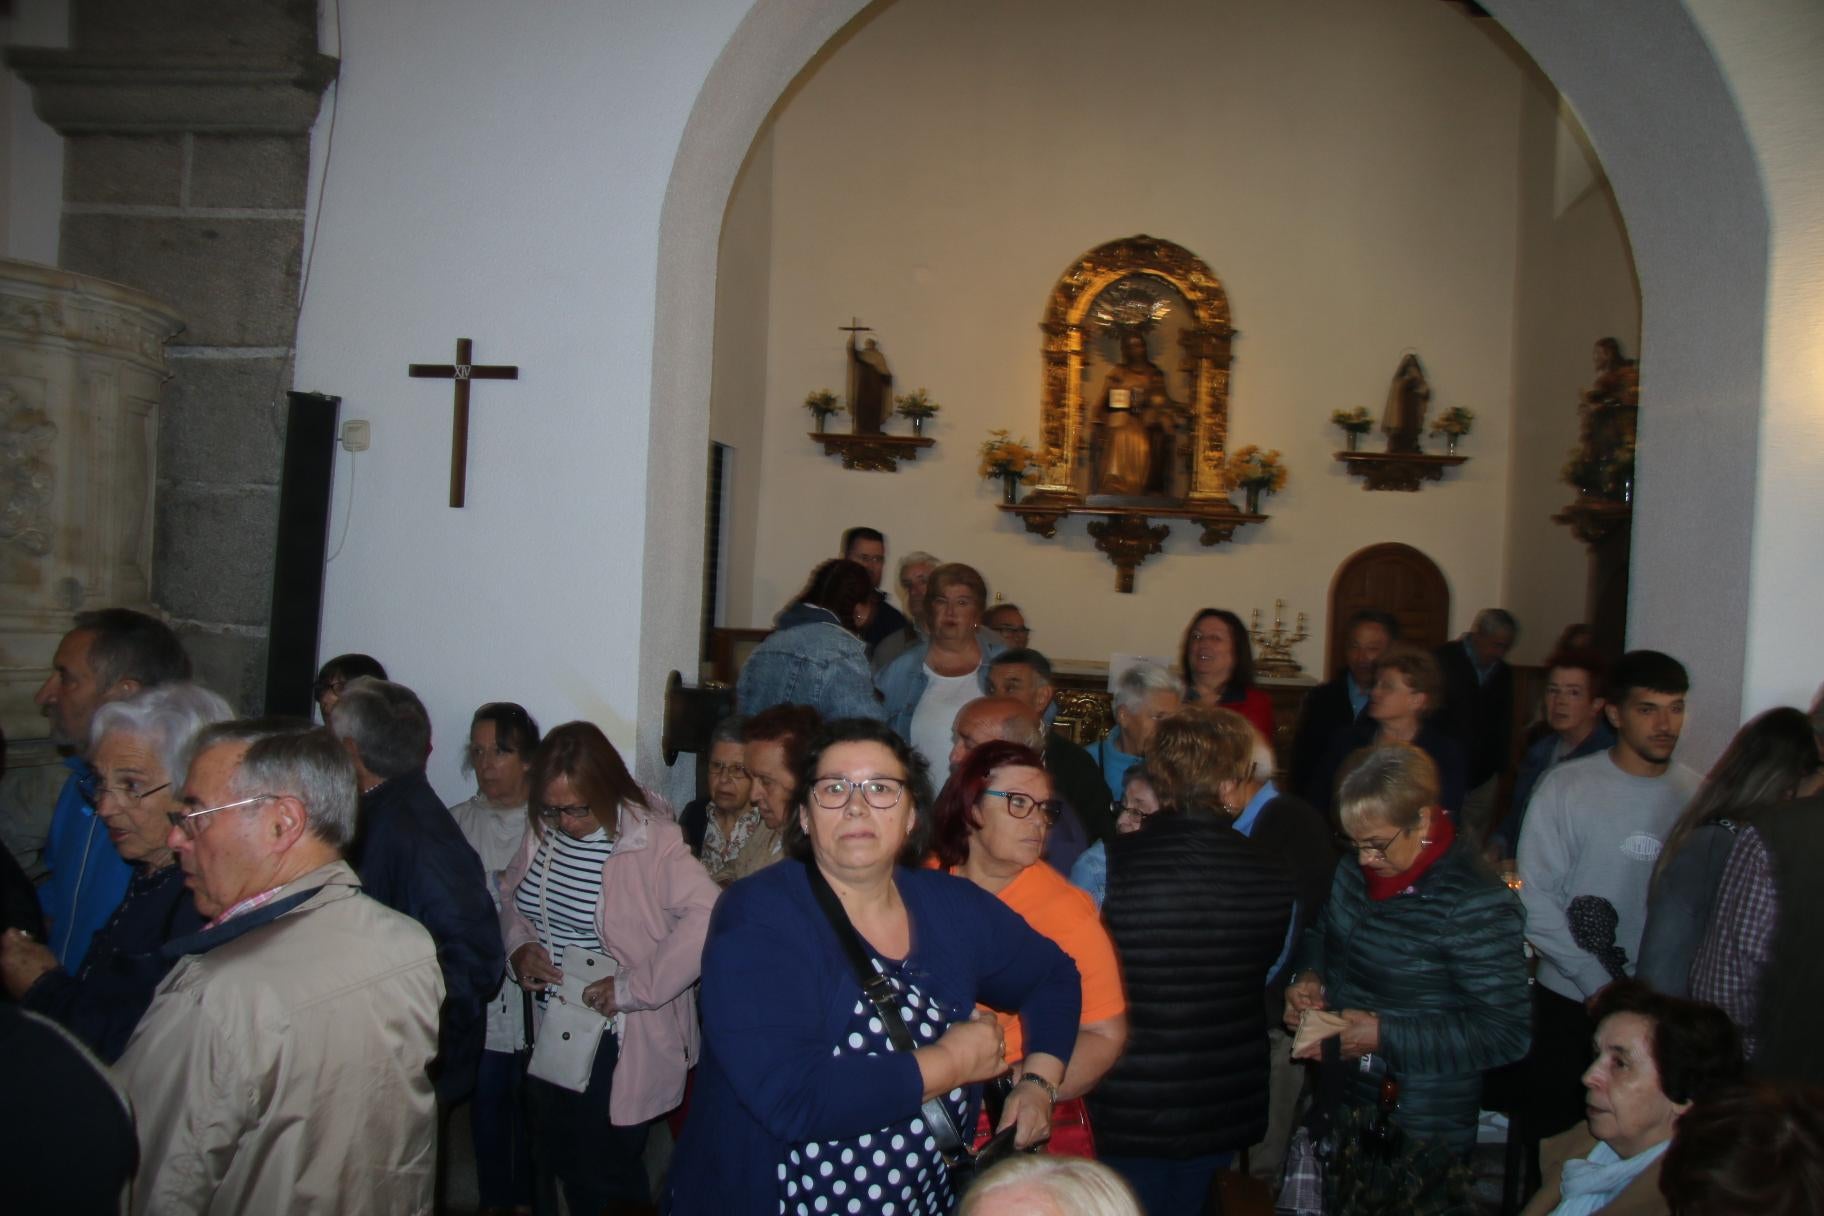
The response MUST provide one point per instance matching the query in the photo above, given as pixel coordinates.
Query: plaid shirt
(1728, 967)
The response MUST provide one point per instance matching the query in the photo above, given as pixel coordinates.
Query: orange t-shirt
(1068, 916)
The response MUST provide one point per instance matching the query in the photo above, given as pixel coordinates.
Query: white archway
(1657, 109)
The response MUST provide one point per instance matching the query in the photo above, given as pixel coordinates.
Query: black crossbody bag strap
(886, 1002)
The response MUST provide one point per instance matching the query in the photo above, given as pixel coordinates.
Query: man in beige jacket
(282, 1064)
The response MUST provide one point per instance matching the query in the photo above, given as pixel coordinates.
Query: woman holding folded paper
(816, 1095)
(604, 883)
(1418, 957)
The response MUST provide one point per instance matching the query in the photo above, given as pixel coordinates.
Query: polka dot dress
(895, 1171)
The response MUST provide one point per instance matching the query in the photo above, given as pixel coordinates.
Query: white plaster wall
(31, 153)
(1773, 52)
(503, 179)
(497, 173)
(1350, 175)
(1575, 283)
(1662, 117)
(737, 392)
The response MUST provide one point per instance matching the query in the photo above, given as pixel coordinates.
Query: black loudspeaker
(296, 619)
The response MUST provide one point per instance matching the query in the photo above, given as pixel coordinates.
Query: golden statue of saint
(1125, 464)
(1127, 455)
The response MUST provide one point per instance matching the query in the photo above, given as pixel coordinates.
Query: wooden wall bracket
(1594, 520)
(1127, 534)
(874, 453)
(1397, 470)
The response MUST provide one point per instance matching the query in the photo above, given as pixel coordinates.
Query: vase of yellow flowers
(1355, 423)
(918, 407)
(1453, 424)
(1257, 473)
(1011, 460)
(822, 404)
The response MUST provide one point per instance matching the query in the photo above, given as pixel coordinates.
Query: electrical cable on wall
(347, 512)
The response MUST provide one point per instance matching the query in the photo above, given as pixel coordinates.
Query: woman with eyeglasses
(335, 675)
(805, 1103)
(990, 826)
(1199, 916)
(1419, 950)
(605, 870)
(502, 739)
(1138, 803)
(137, 785)
(718, 825)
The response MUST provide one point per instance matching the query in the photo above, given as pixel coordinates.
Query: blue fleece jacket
(87, 877)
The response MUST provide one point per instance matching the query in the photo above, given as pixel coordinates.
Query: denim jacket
(810, 660)
(902, 682)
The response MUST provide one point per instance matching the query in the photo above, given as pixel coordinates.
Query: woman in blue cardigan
(802, 1103)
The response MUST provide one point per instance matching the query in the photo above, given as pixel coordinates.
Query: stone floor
(460, 1195)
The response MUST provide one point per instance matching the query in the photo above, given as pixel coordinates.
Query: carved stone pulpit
(81, 362)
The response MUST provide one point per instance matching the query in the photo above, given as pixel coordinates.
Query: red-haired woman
(989, 826)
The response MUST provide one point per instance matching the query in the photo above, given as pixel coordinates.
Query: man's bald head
(988, 718)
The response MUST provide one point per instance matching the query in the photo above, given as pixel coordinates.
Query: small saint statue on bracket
(1403, 421)
(870, 382)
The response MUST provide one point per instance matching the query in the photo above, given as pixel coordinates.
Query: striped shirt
(564, 915)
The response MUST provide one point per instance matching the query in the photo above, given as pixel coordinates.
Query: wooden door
(1396, 579)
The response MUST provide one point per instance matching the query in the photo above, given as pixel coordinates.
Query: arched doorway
(1695, 239)
(1391, 578)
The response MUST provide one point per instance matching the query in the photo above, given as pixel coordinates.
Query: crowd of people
(914, 949)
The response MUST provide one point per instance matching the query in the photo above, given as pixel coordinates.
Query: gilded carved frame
(1064, 426)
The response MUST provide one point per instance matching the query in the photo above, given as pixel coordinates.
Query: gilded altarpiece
(1134, 409)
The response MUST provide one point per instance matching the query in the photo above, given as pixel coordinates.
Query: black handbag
(963, 1163)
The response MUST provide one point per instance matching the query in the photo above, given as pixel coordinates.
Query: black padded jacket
(1198, 914)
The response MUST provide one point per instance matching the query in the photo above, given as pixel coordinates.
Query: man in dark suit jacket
(1478, 711)
(412, 857)
(1025, 675)
(1331, 708)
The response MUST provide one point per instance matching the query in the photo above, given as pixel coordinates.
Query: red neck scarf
(1443, 832)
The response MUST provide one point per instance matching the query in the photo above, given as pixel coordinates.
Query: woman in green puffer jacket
(1419, 950)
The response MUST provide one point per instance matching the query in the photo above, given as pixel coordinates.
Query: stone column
(81, 368)
(187, 128)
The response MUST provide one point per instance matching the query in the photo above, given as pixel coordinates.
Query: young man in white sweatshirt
(1594, 828)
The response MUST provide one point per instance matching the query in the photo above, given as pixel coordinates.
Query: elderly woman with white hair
(1145, 695)
(141, 755)
(1050, 1186)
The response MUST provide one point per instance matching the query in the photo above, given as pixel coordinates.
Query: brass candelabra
(1273, 649)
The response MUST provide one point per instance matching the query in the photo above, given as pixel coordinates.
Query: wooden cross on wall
(462, 371)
